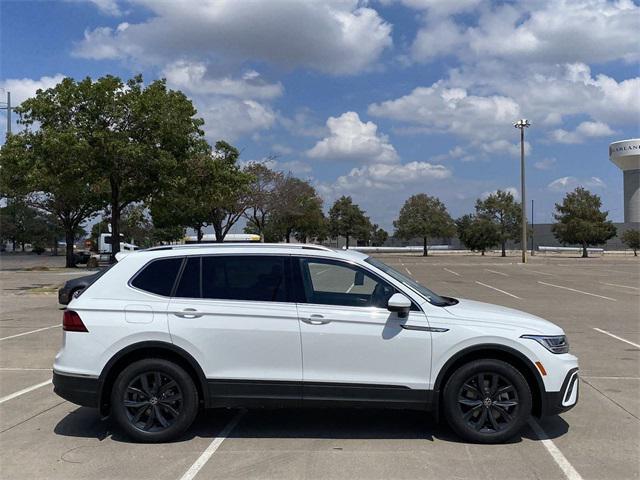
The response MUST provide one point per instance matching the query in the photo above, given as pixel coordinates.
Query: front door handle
(188, 313)
(315, 319)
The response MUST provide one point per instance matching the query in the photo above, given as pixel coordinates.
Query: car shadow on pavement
(291, 423)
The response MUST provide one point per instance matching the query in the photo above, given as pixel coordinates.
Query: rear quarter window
(158, 276)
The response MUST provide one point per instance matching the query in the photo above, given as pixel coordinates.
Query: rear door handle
(188, 313)
(315, 319)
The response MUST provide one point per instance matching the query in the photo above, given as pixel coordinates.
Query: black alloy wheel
(487, 401)
(153, 401)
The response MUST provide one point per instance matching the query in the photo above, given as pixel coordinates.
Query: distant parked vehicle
(73, 288)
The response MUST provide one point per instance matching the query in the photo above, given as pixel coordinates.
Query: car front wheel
(154, 400)
(487, 401)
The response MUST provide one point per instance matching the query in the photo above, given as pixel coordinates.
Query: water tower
(626, 155)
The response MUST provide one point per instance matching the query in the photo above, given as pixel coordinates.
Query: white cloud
(230, 118)
(582, 132)
(108, 7)
(555, 31)
(351, 139)
(452, 110)
(194, 77)
(570, 183)
(23, 88)
(512, 190)
(336, 37)
(545, 164)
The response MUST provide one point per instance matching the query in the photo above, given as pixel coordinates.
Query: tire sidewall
(454, 415)
(189, 397)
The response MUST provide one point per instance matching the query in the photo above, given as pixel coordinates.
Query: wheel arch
(496, 352)
(148, 349)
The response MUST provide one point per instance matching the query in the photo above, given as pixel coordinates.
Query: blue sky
(379, 99)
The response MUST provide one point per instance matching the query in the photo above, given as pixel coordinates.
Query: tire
(492, 414)
(154, 400)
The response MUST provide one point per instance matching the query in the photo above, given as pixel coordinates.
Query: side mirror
(400, 304)
(359, 278)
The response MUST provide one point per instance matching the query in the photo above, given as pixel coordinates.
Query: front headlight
(553, 343)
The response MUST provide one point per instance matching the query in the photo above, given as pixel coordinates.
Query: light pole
(7, 106)
(522, 124)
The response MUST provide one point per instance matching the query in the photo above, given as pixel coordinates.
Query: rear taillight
(71, 322)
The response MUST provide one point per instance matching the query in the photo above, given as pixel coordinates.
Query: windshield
(432, 298)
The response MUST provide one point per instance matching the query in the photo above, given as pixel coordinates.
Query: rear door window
(246, 277)
(158, 276)
(189, 284)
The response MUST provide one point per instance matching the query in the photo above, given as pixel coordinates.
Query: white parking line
(621, 286)
(617, 337)
(498, 290)
(555, 452)
(451, 271)
(408, 271)
(28, 333)
(577, 291)
(610, 378)
(211, 449)
(23, 391)
(18, 369)
(542, 273)
(498, 273)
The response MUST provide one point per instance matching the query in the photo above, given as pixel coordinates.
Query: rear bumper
(566, 398)
(82, 391)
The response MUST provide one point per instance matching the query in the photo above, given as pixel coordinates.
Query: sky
(379, 100)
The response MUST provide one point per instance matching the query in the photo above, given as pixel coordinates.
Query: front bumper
(82, 391)
(566, 398)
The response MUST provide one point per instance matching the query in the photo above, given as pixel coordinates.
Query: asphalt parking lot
(596, 301)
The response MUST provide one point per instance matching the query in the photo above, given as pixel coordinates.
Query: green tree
(505, 212)
(134, 136)
(580, 220)
(298, 211)
(186, 201)
(231, 189)
(261, 197)
(378, 235)
(477, 233)
(50, 168)
(425, 217)
(348, 220)
(21, 224)
(631, 238)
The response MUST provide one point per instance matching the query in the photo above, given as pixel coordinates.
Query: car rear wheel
(154, 400)
(487, 401)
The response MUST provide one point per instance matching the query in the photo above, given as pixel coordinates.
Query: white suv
(168, 330)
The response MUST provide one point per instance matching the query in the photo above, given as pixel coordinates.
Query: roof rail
(248, 245)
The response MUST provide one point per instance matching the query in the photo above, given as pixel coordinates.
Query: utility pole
(532, 242)
(522, 124)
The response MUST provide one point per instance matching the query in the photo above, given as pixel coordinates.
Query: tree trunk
(261, 236)
(425, 250)
(69, 238)
(504, 251)
(22, 246)
(115, 219)
(217, 229)
(287, 235)
(635, 252)
(199, 234)
(482, 253)
(347, 242)
(585, 254)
